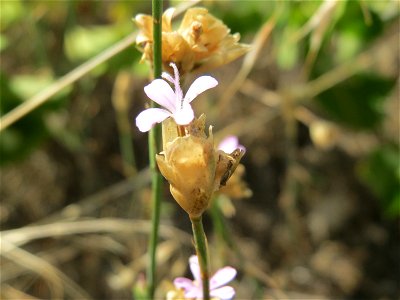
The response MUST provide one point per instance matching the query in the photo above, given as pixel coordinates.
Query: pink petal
(230, 144)
(195, 268)
(224, 293)
(222, 277)
(194, 293)
(200, 85)
(183, 283)
(147, 118)
(184, 115)
(160, 92)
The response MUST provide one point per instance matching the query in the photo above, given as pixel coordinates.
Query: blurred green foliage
(243, 17)
(28, 64)
(357, 102)
(381, 172)
(41, 41)
(17, 141)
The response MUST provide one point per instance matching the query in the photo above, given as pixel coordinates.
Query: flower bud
(193, 167)
(324, 134)
(202, 41)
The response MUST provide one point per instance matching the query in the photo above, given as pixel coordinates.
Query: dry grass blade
(125, 277)
(321, 16)
(9, 292)
(57, 280)
(24, 235)
(305, 92)
(57, 256)
(256, 272)
(46, 94)
(94, 202)
(248, 63)
(362, 62)
(245, 125)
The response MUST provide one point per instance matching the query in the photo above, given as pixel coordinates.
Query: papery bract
(236, 187)
(192, 166)
(202, 42)
(189, 163)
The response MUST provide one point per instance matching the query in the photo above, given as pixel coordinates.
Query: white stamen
(168, 77)
(178, 90)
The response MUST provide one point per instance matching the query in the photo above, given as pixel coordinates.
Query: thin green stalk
(219, 223)
(157, 30)
(202, 254)
(154, 138)
(126, 146)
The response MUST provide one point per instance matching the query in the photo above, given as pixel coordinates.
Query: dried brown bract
(192, 166)
(202, 42)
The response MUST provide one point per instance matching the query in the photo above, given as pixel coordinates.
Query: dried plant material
(193, 167)
(324, 134)
(175, 294)
(334, 261)
(320, 18)
(188, 163)
(318, 26)
(249, 61)
(236, 187)
(202, 42)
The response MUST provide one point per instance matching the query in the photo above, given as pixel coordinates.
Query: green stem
(154, 138)
(157, 32)
(202, 254)
(219, 223)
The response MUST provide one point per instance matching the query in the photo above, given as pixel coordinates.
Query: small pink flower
(194, 289)
(175, 104)
(230, 144)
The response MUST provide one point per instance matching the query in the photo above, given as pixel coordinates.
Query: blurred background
(315, 102)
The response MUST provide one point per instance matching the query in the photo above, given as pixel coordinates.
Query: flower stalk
(157, 31)
(154, 138)
(202, 254)
(219, 223)
(189, 160)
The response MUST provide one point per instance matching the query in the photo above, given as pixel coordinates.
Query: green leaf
(10, 11)
(27, 85)
(25, 135)
(380, 172)
(288, 52)
(18, 140)
(3, 42)
(357, 102)
(245, 16)
(82, 43)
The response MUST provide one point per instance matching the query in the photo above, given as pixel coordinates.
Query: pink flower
(194, 289)
(230, 144)
(173, 102)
